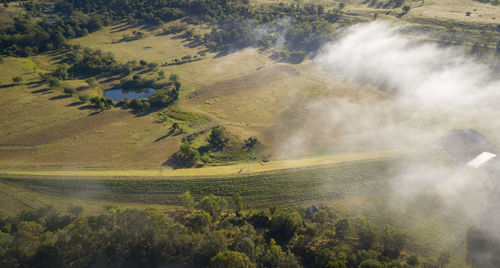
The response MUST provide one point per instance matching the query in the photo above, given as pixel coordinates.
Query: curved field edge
(288, 187)
(353, 188)
(210, 171)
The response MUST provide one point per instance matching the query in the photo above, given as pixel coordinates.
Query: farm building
(468, 147)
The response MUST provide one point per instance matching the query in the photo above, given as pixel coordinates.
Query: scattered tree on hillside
(17, 79)
(187, 200)
(213, 205)
(217, 138)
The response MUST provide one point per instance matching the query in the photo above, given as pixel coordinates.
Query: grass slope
(354, 188)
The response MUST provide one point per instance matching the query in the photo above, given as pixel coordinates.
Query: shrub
(17, 79)
(69, 91)
(212, 204)
(231, 259)
(83, 98)
(217, 138)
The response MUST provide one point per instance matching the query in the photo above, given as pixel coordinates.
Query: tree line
(212, 232)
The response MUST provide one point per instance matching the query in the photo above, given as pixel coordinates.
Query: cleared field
(155, 46)
(455, 10)
(245, 91)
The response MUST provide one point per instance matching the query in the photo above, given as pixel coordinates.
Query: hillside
(116, 106)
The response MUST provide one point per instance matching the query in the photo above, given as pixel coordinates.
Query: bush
(217, 138)
(83, 98)
(69, 91)
(212, 204)
(17, 79)
(283, 226)
(231, 259)
(188, 155)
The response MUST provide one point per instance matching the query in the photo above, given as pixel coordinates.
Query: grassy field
(226, 170)
(353, 188)
(55, 151)
(245, 91)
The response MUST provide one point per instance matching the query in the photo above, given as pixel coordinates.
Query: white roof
(481, 159)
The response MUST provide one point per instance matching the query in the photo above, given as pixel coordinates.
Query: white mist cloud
(380, 54)
(435, 89)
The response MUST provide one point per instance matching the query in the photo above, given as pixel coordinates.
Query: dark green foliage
(17, 79)
(366, 233)
(149, 238)
(27, 37)
(231, 259)
(342, 228)
(217, 138)
(88, 62)
(69, 91)
(259, 219)
(187, 200)
(413, 260)
(187, 155)
(238, 203)
(102, 103)
(212, 204)
(83, 98)
(393, 242)
(276, 257)
(284, 225)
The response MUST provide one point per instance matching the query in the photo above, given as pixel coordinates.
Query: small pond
(119, 94)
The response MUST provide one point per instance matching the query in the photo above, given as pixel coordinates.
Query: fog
(430, 90)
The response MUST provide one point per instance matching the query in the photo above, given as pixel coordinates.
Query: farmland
(292, 132)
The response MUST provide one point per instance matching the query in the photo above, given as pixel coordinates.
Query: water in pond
(118, 94)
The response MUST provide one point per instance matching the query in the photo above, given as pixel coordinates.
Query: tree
(69, 91)
(143, 63)
(406, 9)
(153, 65)
(285, 225)
(231, 259)
(173, 77)
(188, 154)
(342, 228)
(366, 233)
(83, 98)
(17, 79)
(212, 204)
(238, 202)
(75, 209)
(91, 82)
(62, 71)
(276, 257)
(187, 200)
(320, 216)
(161, 74)
(217, 138)
(53, 82)
(371, 263)
(393, 242)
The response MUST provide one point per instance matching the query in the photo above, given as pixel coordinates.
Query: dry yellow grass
(155, 46)
(455, 10)
(242, 168)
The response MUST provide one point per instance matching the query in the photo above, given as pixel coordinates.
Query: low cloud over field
(430, 90)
